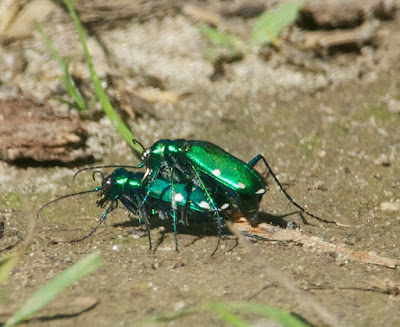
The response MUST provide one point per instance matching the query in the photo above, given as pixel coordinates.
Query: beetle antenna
(66, 196)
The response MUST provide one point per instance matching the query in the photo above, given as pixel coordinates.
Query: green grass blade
(270, 24)
(100, 93)
(68, 81)
(73, 91)
(226, 310)
(48, 292)
(285, 318)
(6, 265)
(227, 40)
(226, 315)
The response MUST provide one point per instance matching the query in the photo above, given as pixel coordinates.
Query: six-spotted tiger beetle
(128, 188)
(190, 176)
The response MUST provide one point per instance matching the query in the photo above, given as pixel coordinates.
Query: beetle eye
(107, 184)
(146, 154)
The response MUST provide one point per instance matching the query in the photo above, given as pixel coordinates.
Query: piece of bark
(331, 15)
(328, 43)
(106, 14)
(244, 10)
(33, 134)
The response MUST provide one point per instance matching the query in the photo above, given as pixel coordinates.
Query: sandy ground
(329, 128)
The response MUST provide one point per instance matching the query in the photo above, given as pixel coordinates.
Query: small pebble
(390, 206)
(179, 305)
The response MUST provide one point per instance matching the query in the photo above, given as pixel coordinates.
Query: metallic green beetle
(128, 188)
(210, 166)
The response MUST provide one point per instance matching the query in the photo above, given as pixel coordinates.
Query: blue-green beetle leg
(142, 209)
(259, 157)
(214, 207)
(102, 219)
(174, 208)
(186, 209)
(143, 216)
(149, 190)
(138, 208)
(255, 160)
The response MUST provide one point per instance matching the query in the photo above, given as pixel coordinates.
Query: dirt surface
(325, 116)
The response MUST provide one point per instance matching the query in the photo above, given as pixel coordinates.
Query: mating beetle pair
(189, 176)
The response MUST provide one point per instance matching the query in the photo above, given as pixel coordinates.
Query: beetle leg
(174, 208)
(148, 191)
(142, 207)
(143, 215)
(259, 157)
(213, 206)
(103, 217)
(186, 209)
(254, 161)
(142, 212)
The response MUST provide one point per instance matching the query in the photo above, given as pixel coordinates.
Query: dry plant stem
(291, 235)
(209, 17)
(277, 276)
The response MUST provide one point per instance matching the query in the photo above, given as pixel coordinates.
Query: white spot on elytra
(241, 185)
(260, 191)
(224, 206)
(179, 197)
(205, 205)
(216, 172)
